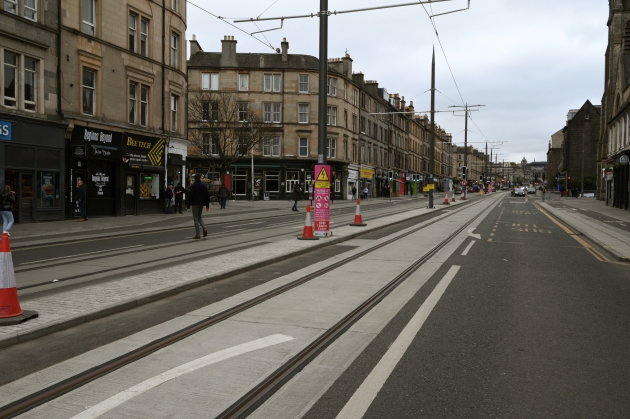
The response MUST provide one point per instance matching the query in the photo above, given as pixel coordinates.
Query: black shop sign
(143, 150)
(92, 142)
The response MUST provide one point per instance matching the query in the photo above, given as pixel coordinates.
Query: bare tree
(224, 129)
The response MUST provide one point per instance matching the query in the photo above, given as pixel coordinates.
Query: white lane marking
(130, 393)
(81, 254)
(465, 252)
(470, 233)
(501, 204)
(366, 393)
(241, 225)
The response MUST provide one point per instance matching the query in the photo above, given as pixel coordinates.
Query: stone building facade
(374, 138)
(613, 171)
(579, 144)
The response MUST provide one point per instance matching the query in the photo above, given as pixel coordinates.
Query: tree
(224, 129)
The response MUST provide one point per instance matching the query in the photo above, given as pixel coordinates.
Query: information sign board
(321, 202)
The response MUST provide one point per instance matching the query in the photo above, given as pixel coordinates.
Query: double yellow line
(599, 256)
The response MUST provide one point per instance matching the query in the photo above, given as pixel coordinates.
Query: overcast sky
(528, 61)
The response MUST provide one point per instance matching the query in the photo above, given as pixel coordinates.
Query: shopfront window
(272, 181)
(293, 178)
(149, 185)
(48, 196)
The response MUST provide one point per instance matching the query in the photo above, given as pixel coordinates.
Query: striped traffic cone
(307, 234)
(10, 310)
(446, 199)
(453, 197)
(358, 221)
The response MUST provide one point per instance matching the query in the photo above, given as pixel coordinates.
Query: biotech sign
(322, 200)
(5, 131)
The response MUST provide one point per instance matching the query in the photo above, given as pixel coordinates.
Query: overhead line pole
(322, 120)
(466, 110)
(432, 140)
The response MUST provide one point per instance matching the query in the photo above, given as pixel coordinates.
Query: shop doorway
(74, 205)
(130, 195)
(22, 184)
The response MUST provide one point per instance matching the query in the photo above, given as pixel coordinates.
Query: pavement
(606, 226)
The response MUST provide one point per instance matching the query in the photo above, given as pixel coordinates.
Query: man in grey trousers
(198, 199)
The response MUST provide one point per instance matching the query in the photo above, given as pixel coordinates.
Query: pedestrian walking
(223, 195)
(295, 195)
(354, 193)
(81, 197)
(168, 199)
(8, 199)
(198, 199)
(365, 192)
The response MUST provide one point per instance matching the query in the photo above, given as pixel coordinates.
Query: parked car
(518, 191)
(505, 188)
(531, 190)
(458, 190)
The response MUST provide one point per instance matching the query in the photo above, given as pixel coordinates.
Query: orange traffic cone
(453, 197)
(10, 311)
(307, 234)
(358, 221)
(446, 199)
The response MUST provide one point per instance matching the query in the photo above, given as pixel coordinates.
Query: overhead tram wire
(231, 24)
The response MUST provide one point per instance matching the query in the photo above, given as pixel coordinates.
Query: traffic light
(481, 178)
(569, 177)
(390, 175)
(463, 172)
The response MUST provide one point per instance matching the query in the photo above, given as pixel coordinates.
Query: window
(144, 37)
(355, 95)
(345, 118)
(205, 144)
(331, 114)
(272, 181)
(331, 148)
(303, 113)
(175, 5)
(271, 146)
(49, 189)
(10, 79)
(345, 91)
(303, 152)
(243, 82)
(243, 146)
(345, 150)
(144, 105)
(89, 19)
(354, 153)
(271, 82)
(174, 107)
(89, 88)
(303, 83)
(132, 102)
(30, 69)
(293, 178)
(271, 112)
(243, 111)
(205, 111)
(362, 125)
(332, 86)
(150, 186)
(133, 22)
(174, 50)
(10, 6)
(210, 81)
(30, 9)
(354, 123)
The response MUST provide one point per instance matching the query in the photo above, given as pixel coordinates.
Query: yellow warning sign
(323, 175)
(322, 185)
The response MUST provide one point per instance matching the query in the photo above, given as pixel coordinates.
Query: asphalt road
(534, 324)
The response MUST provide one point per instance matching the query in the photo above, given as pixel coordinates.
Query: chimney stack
(194, 46)
(228, 52)
(285, 49)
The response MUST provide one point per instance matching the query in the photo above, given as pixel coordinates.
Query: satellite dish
(278, 50)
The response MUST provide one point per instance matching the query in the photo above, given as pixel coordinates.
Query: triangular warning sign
(323, 175)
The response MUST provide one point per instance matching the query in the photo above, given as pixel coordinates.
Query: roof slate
(258, 61)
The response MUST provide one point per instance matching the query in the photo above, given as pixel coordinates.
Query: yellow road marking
(584, 244)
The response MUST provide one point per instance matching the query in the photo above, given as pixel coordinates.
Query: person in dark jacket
(81, 196)
(7, 201)
(179, 197)
(198, 199)
(295, 195)
(223, 195)
(168, 197)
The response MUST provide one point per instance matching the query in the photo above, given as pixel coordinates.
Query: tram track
(137, 250)
(268, 386)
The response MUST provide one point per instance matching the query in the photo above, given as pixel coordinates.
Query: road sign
(322, 193)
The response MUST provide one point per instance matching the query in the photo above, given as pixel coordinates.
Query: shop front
(95, 159)
(145, 176)
(352, 180)
(367, 180)
(32, 162)
(621, 182)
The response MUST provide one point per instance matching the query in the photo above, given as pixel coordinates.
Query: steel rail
(145, 249)
(55, 390)
(259, 394)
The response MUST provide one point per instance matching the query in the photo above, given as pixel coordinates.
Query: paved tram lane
(533, 324)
